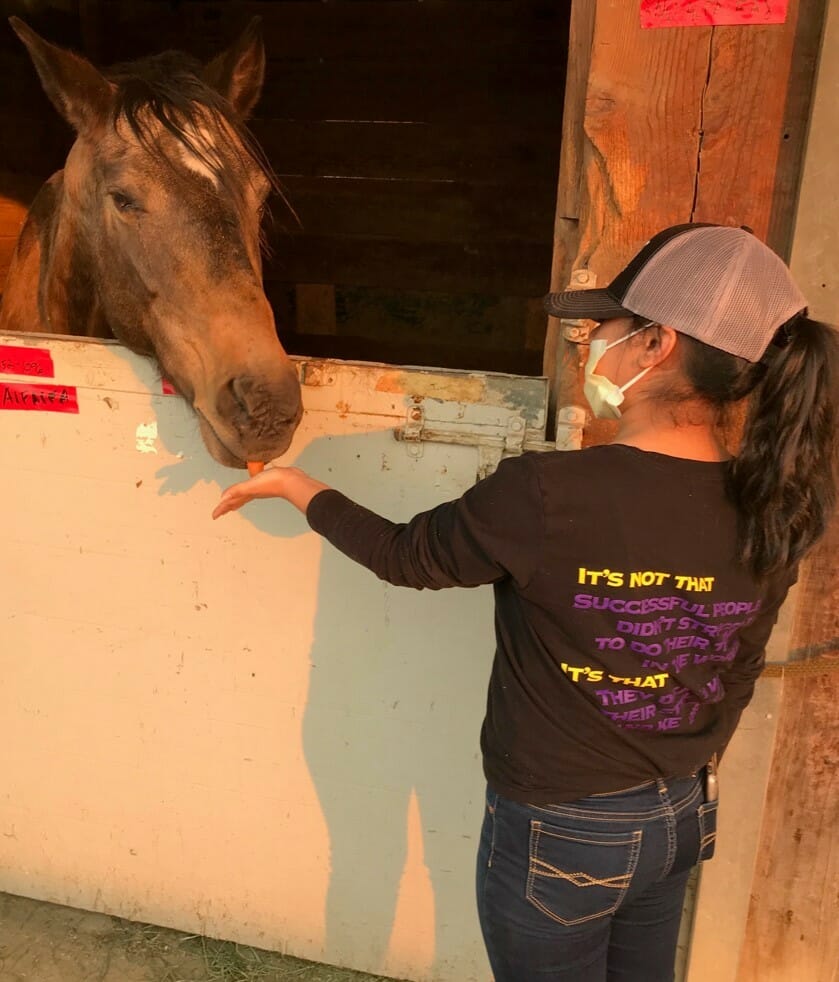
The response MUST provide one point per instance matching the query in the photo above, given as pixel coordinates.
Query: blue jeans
(591, 890)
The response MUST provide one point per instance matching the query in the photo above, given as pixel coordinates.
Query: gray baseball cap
(716, 283)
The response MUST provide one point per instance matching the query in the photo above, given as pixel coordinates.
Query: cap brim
(596, 305)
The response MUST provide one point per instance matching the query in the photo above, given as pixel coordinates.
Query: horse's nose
(242, 392)
(260, 406)
(260, 402)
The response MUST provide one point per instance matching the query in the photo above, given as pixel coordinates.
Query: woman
(636, 585)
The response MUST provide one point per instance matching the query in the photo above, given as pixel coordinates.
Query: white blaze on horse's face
(203, 137)
(156, 233)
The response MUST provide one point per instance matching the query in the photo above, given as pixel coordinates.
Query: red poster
(40, 398)
(17, 360)
(711, 13)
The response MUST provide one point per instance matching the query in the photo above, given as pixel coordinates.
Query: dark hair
(783, 481)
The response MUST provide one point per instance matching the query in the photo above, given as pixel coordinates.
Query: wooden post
(792, 930)
(560, 363)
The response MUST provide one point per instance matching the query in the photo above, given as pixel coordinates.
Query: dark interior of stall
(417, 141)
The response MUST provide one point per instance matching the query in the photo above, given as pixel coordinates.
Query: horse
(151, 234)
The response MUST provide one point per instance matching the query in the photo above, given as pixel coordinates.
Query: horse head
(152, 233)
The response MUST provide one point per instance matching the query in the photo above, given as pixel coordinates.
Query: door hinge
(492, 443)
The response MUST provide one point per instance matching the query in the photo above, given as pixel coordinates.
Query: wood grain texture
(420, 211)
(682, 124)
(810, 29)
(500, 268)
(580, 39)
(641, 134)
(737, 165)
(517, 156)
(792, 930)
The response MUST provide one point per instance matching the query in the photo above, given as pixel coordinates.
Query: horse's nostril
(240, 388)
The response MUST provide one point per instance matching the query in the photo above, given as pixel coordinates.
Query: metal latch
(411, 432)
(514, 440)
(578, 330)
(492, 445)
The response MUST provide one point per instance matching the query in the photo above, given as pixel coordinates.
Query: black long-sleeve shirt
(628, 635)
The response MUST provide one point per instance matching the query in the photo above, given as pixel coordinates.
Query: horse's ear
(76, 89)
(238, 72)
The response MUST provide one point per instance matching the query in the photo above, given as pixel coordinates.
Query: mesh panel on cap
(720, 285)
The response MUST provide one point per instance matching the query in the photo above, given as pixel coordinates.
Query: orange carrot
(254, 467)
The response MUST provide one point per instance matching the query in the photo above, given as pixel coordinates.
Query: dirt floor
(42, 942)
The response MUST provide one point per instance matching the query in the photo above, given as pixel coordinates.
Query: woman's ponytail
(783, 481)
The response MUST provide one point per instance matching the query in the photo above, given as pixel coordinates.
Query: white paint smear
(146, 436)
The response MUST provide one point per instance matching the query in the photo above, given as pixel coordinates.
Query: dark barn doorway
(418, 142)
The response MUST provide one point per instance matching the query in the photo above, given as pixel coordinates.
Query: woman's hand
(274, 482)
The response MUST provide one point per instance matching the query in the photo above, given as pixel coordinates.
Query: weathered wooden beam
(753, 89)
(559, 361)
(792, 930)
(684, 124)
(635, 170)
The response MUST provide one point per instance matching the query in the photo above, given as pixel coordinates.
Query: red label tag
(712, 13)
(167, 387)
(15, 360)
(40, 398)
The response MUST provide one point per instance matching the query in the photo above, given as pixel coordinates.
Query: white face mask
(604, 396)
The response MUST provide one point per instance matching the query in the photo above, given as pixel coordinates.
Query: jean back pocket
(578, 875)
(707, 815)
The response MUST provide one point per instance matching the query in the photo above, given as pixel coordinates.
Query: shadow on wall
(396, 698)
(396, 695)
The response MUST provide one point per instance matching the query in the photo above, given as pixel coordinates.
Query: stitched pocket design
(577, 876)
(707, 815)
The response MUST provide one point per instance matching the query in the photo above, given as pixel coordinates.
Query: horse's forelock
(167, 91)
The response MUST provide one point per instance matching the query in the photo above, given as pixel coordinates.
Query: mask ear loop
(644, 327)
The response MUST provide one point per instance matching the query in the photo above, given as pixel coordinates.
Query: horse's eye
(122, 202)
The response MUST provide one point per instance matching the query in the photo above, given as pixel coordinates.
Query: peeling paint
(449, 388)
(146, 435)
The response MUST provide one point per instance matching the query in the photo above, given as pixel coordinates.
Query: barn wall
(227, 727)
